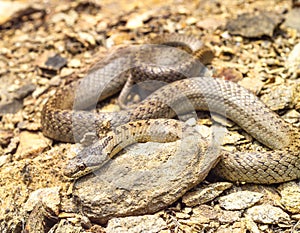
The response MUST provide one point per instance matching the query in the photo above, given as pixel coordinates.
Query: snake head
(86, 161)
(75, 168)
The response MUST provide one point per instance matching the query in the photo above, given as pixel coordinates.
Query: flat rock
(293, 61)
(205, 193)
(31, 144)
(145, 223)
(50, 197)
(146, 179)
(267, 214)
(239, 200)
(292, 19)
(206, 214)
(280, 97)
(290, 197)
(254, 25)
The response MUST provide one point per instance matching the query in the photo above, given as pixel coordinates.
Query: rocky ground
(47, 45)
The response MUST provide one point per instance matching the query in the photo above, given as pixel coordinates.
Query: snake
(67, 116)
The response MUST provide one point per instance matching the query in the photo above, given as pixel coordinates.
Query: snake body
(59, 121)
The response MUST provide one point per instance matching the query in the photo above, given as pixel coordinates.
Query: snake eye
(81, 166)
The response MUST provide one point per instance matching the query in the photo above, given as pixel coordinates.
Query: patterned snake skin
(64, 116)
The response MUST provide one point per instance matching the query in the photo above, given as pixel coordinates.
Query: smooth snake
(64, 116)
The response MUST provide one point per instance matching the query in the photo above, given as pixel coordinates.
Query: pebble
(145, 223)
(240, 200)
(280, 97)
(31, 144)
(50, 198)
(293, 61)
(205, 193)
(292, 19)
(267, 214)
(292, 116)
(290, 196)
(205, 214)
(5, 137)
(253, 84)
(254, 25)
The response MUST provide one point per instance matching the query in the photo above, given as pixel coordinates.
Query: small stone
(206, 213)
(191, 20)
(267, 214)
(239, 200)
(292, 116)
(230, 74)
(210, 23)
(253, 84)
(9, 10)
(24, 91)
(280, 97)
(251, 225)
(55, 81)
(87, 39)
(55, 62)
(50, 198)
(204, 193)
(50, 63)
(145, 223)
(5, 137)
(8, 104)
(290, 196)
(66, 226)
(31, 144)
(232, 138)
(137, 21)
(229, 216)
(74, 63)
(292, 19)
(254, 25)
(293, 61)
(4, 158)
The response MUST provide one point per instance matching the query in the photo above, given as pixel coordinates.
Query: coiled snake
(64, 116)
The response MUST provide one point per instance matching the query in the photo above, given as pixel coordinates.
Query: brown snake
(60, 122)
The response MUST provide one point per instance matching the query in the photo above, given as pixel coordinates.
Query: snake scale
(64, 116)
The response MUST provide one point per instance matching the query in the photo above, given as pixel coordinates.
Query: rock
(31, 144)
(232, 138)
(205, 193)
(44, 205)
(11, 11)
(292, 19)
(239, 200)
(50, 198)
(251, 225)
(5, 137)
(293, 61)
(280, 97)
(50, 63)
(253, 84)
(254, 25)
(4, 158)
(230, 74)
(267, 214)
(292, 116)
(146, 179)
(290, 196)
(145, 223)
(65, 226)
(8, 104)
(205, 214)
(210, 23)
